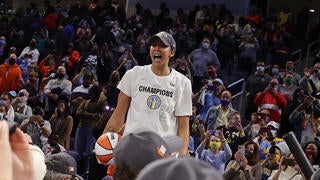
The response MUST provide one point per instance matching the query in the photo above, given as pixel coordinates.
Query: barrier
(237, 94)
(312, 49)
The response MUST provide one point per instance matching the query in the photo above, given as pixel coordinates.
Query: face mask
(214, 146)
(278, 157)
(1, 115)
(289, 81)
(60, 75)
(273, 133)
(212, 74)
(205, 45)
(225, 102)
(289, 69)
(32, 81)
(312, 153)
(275, 70)
(248, 154)
(260, 68)
(11, 61)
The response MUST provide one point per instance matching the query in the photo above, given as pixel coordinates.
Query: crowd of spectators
(59, 70)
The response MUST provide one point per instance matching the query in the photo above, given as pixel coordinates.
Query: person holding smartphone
(214, 150)
(288, 169)
(36, 127)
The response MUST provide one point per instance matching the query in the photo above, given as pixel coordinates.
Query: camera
(212, 132)
(273, 84)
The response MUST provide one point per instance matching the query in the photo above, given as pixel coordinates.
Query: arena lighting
(312, 10)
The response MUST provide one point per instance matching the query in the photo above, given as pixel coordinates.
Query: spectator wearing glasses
(21, 109)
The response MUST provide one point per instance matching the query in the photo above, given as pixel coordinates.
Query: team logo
(153, 102)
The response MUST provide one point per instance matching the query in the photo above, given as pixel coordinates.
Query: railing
(240, 93)
(312, 49)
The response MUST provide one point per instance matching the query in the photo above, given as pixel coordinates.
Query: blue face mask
(225, 102)
(260, 68)
(275, 70)
(205, 45)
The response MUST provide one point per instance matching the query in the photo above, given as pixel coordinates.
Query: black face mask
(60, 75)
(11, 61)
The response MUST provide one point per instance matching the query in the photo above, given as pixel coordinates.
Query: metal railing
(312, 49)
(238, 94)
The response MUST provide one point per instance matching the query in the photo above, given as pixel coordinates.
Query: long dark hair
(255, 158)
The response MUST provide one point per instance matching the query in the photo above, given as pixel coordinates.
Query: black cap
(166, 38)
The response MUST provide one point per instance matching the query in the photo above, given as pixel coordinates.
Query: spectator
(248, 53)
(288, 87)
(36, 127)
(287, 171)
(258, 120)
(61, 166)
(271, 162)
(88, 113)
(269, 136)
(210, 96)
(272, 100)
(256, 82)
(30, 54)
(310, 82)
(21, 109)
(55, 89)
(217, 115)
(215, 155)
(311, 149)
(32, 88)
(289, 67)
(7, 98)
(233, 131)
(126, 62)
(10, 75)
(61, 123)
(199, 59)
(303, 109)
(171, 169)
(140, 148)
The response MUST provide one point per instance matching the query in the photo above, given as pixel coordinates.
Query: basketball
(104, 146)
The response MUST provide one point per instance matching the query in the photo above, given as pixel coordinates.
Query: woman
(61, 124)
(311, 149)
(245, 165)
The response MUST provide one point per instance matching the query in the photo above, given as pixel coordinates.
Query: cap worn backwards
(166, 38)
(141, 147)
(62, 163)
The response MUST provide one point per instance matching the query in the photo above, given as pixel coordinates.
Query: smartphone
(289, 162)
(211, 88)
(264, 129)
(212, 132)
(241, 148)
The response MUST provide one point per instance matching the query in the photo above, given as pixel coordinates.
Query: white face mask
(1, 116)
(273, 133)
(205, 45)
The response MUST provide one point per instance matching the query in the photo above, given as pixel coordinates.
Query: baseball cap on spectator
(63, 163)
(273, 124)
(218, 80)
(13, 94)
(166, 38)
(139, 148)
(172, 169)
(23, 92)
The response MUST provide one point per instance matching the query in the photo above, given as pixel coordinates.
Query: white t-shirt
(156, 101)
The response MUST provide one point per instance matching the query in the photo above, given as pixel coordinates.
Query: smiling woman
(155, 96)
